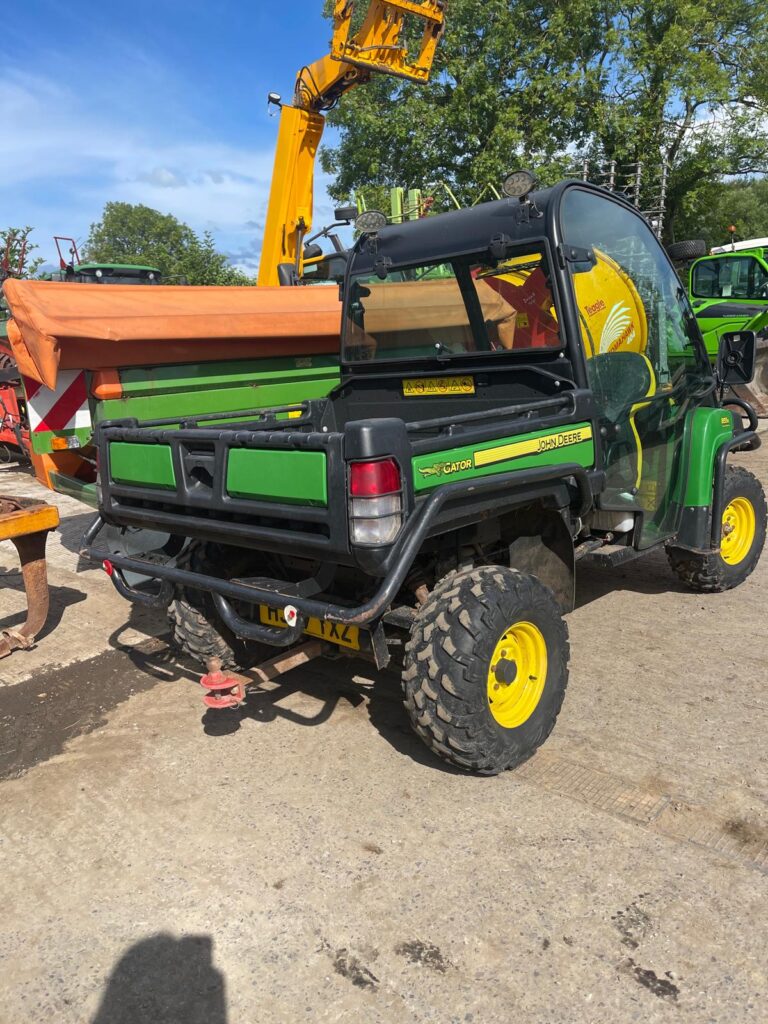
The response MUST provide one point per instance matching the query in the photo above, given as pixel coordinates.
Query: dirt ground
(308, 859)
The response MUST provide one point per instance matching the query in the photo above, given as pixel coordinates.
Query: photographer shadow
(165, 980)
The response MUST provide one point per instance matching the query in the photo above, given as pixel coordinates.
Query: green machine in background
(728, 290)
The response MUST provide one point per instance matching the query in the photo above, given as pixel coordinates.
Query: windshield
(447, 310)
(730, 277)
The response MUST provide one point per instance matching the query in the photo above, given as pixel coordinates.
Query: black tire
(687, 250)
(711, 573)
(198, 630)
(449, 656)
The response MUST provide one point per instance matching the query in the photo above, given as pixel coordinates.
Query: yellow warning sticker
(421, 387)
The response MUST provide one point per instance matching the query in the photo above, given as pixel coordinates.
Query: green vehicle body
(176, 391)
(729, 292)
(301, 477)
(679, 465)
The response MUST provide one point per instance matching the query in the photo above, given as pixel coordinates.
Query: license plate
(333, 632)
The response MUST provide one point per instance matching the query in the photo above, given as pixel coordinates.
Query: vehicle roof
(748, 243)
(115, 266)
(462, 232)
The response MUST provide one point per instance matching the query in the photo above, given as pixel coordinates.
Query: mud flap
(544, 548)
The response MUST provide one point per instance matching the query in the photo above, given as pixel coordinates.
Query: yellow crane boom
(377, 46)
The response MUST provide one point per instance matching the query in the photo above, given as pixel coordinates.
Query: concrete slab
(308, 859)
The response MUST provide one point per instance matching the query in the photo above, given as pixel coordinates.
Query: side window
(730, 277)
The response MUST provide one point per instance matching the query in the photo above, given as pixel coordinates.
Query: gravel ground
(308, 859)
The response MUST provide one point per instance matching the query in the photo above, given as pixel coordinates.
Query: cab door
(646, 363)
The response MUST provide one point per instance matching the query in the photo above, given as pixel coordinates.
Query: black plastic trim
(403, 553)
(718, 496)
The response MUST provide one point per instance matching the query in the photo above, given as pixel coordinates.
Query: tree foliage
(709, 213)
(130, 233)
(16, 259)
(548, 83)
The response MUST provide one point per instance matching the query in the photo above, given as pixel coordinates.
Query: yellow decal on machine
(420, 387)
(446, 468)
(533, 446)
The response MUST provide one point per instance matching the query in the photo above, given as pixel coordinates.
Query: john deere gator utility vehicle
(523, 387)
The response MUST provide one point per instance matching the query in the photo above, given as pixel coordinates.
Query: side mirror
(736, 357)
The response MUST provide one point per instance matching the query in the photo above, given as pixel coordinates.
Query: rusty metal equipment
(27, 522)
(226, 689)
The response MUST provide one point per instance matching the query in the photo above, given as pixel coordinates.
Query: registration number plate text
(333, 632)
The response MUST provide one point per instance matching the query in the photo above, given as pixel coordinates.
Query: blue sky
(161, 102)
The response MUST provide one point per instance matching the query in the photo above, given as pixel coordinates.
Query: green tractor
(93, 272)
(728, 291)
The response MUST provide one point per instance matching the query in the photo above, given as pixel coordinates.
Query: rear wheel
(198, 630)
(486, 668)
(742, 538)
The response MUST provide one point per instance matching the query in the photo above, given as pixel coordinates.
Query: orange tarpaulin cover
(98, 327)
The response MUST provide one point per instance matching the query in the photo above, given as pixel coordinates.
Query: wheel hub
(505, 672)
(517, 674)
(738, 531)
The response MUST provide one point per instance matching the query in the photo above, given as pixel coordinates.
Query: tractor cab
(110, 273)
(729, 288)
(73, 269)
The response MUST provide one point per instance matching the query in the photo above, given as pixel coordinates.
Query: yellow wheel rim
(517, 674)
(739, 525)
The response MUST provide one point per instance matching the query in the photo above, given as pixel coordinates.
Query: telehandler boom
(377, 46)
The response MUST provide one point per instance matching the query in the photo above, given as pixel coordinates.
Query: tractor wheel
(198, 631)
(486, 668)
(743, 536)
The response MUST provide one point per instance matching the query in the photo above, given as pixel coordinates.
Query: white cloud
(65, 153)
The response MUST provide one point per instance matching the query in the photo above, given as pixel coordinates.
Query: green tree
(130, 233)
(708, 213)
(16, 250)
(548, 83)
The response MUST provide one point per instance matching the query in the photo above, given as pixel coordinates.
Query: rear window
(443, 310)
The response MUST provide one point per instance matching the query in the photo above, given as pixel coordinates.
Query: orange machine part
(101, 327)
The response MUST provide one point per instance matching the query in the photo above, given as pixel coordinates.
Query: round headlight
(518, 184)
(370, 222)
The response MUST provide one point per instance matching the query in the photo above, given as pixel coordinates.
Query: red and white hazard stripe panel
(64, 408)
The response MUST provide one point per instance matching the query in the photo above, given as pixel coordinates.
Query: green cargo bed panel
(296, 478)
(142, 465)
(196, 389)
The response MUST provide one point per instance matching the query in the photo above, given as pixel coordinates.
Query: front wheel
(486, 668)
(741, 543)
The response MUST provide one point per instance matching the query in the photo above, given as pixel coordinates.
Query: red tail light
(375, 502)
(373, 479)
